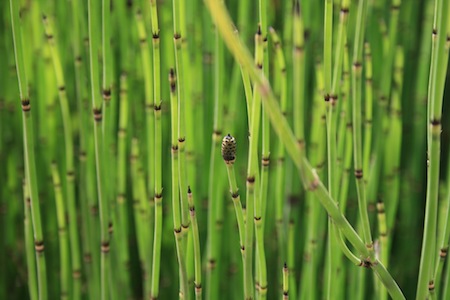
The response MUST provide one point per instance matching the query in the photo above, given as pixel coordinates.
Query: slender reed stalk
(280, 152)
(260, 202)
(175, 187)
(122, 217)
(436, 85)
(357, 138)
(62, 233)
(29, 154)
(285, 282)
(177, 40)
(69, 158)
(214, 201)
(197, 256)
(31, 259)
(98, 140)
(156, 264)
(228, 154)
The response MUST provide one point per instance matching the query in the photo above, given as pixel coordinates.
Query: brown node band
(107, 94)
(157, 108)
(97, 114)
(431, 285)
(251, 179)
(143, 40)
(357, 65)
(265, 161)
(177, 230)
(158, 196)
(443, 252)
(105, 247)
(110, 227)
(177, 36)
(344, 10)
(259, 66)
(359, 173)
(395, 7)
(62, 88)
(434, 32)
(49, 36)
(87, 258)
(257, 218)
(76, 274)
(39, 246)
(155, 36)
(435, 122)
(234, 195)
(174, 148)
(181, 139)
(26, 106)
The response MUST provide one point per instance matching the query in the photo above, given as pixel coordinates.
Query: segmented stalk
(29, 155)
(98, 140)
(175, 187)
(197, 256)
(69, 158)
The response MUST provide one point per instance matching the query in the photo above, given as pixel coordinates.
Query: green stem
(29, 157)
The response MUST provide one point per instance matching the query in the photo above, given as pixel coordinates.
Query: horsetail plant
(363, 57)
(99, 153)
(176, 207)
(69, 158)
(29, 155)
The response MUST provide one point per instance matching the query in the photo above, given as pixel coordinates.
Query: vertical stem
(29, 157)
(175, 187)
(31, 259)
(158, 151)
(436, 84)
(98, 140)
(357, 138)
(197, 256)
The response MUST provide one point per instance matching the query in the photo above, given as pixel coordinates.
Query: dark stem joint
(177, 230)
(357, 65)
(344, 10)
(395, 7)
(434, 32)
(39, 246)
(443, 252)
(97, 114)
(76, 274)
(107, 94)
(259, 66)
(49, 36)
(326, 97)
(435, 122)
(105, 247)
(359, 173)
(157, 108)
(143, 40)
(181, 140)
(235, 195)
(26, 106)
(62, 88)
(158, 196)
(431, 286)
(174, 148)
(176, 36)
(250, 179)
(257, 219)
(155, 36)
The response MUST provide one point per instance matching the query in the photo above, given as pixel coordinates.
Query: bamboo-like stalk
(228, 154)
(98, 140)
(260, 202)
(214, 202)
(31, 260)
(285, 282)
(177, 223)
(142, 215)
(122, 217)
(281, 126)
(368, 107)
(62, 234)
(197, 255)
(280, 70)
(356, 112)
(299, 75)
(156, 264)
(179, 60)
(69, 158)
(29, 154)
(436, 84)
